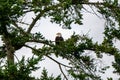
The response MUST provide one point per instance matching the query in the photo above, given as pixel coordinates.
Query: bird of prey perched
(58, 38)
(58, 42)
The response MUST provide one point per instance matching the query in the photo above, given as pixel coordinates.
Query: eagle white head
(59, 34)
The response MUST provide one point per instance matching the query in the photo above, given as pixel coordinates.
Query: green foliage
(37, 36)
(17, 39)
(117, 64)
(10, 11)
(110, 10)
(20, 70)
(80, 76)
(45, 76)
(109, 79)
(2, 51)
(65, 13)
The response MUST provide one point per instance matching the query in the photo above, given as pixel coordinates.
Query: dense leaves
(45, 76)
(20, 70)
(65, 13)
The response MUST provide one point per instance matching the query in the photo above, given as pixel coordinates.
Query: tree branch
(58, 62)
(53, 7)
(41, 12)
(43, 42)
(33, 22)
(62, 72)
(55, 62)
(23, 32)
(83, 67)
(89, 3)
(49, 57)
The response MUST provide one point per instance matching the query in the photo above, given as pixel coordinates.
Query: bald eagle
(58, 38)
(58, 42)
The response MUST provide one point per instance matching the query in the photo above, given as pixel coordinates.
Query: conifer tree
(15, 33)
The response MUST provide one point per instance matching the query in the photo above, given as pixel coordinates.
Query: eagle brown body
(58, 39)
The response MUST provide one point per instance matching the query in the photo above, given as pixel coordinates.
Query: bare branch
(33, 22)
(59, 62)
(62, 72)
(95, 12)
(41, 12)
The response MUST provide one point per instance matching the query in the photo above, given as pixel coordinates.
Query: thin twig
(95, 12)
(62, 72)
(23, 23)
(17, 58)
(83, 67)
(87, 10)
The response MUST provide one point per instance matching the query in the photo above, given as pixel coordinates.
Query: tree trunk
(9, 50)
(10, 55)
